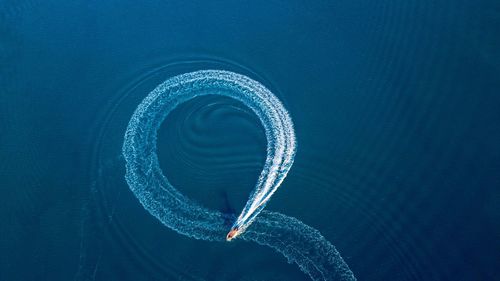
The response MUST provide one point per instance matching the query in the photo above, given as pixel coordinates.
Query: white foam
(176, 211)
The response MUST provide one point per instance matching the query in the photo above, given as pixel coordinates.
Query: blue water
(395, 106)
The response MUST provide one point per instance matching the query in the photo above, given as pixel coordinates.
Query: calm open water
(396, 108)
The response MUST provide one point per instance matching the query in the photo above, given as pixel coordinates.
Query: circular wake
(298, 242)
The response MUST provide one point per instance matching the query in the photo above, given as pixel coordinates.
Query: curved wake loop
(298, 242)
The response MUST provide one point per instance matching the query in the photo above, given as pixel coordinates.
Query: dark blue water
(396, 108)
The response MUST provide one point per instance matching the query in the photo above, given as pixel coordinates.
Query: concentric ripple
(298, 242)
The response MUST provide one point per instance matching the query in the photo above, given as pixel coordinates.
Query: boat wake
(298, 242)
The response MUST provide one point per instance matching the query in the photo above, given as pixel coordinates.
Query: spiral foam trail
(314, 254)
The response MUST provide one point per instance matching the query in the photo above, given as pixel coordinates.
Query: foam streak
(312, 253)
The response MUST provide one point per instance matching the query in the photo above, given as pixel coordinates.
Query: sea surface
(396, 107)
